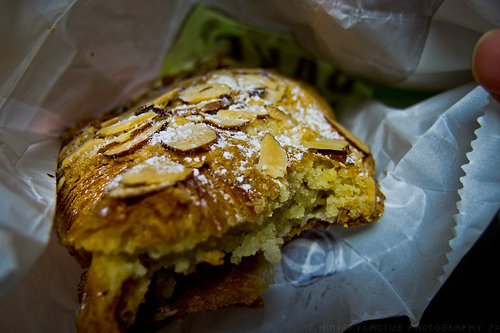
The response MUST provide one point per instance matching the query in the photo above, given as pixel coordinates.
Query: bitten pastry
(180, 204)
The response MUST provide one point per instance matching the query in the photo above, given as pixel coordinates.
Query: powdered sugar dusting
(233, 153)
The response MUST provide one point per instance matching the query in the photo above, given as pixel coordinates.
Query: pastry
(180, 204)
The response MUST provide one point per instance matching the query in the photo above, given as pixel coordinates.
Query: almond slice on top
(273, 159)
(127, 124)
(167, 97)
(275, 95)
(328, 144)
(253, 81)
(188, 137)
(226, 122)
(249, 114)
(204, 92)
(130, 143)
(278, 114)
(153, 174)
(201, 107)
(85, 148)
(122, 192)
(155, 170)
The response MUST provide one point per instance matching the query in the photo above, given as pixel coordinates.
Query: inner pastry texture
(221, 167)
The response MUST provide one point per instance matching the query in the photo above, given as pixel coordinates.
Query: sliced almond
(215, 105)
(124, 147)
(204, 92)
(276, 95)
(122, 192)
(126, 135)
(255, 102)
(185, 110)
(121, 138)
(263, 86)
(273, 159)
(155, 170)
(278, 114)
(188, 137)
(153, 174)
(249, 114)
(90, 130)
(89, 146)
(225, 77)
(204, 106)
(328, 144)
(178, 122)
(254, 81)
(226, 122)
(127, 124)
(167, 97)
(60, 183)
(349, 136)
(110, 122)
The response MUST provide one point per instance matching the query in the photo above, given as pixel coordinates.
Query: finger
(486, 63)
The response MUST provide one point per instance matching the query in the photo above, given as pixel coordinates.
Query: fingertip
(486, 62)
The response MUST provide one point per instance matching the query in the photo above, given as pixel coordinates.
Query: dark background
(469, 301)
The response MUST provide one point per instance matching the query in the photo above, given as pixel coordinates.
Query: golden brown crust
(216, 169)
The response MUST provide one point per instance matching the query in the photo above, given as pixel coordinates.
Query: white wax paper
(62, 61)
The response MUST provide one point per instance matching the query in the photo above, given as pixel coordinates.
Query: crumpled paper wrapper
(436, 162)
